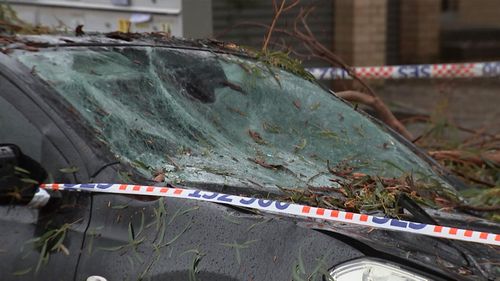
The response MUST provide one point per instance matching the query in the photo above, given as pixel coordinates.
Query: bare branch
(376, 103)
(273, 24)
(291, 5)
(464, 156)
(303, 33)
(479, 208)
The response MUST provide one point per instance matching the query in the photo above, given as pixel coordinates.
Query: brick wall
(480, 13)
(360, 31)
(420, 28)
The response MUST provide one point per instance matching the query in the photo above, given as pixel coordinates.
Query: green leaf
(130, 232)
(302, 267)
(59, 241)
(112, 249)
(141, 226)
(21, 170)
(22, 271)
(43, 253)
(27, 180)
(315, 106)
(301, 145)
(69, 170)
(177, 236)
(141, 165)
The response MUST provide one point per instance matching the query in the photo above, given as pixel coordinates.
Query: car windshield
(206, 117)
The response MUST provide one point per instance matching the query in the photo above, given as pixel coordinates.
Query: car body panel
(213, 240)
(174, 238)
(20, 225)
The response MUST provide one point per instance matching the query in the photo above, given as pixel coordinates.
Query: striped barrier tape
(287, 209)
(450, 70)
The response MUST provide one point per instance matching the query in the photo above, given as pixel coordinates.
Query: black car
(146, 109)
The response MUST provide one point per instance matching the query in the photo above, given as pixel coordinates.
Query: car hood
(462, 260)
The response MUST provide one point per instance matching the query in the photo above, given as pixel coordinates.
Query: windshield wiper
(423, 217)
(414, 209)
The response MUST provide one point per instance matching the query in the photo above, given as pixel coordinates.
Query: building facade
(378, 32)
(362, 32)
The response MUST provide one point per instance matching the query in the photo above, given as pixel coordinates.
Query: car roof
(38, 42)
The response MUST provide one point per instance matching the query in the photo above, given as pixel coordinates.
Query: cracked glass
(205, 117)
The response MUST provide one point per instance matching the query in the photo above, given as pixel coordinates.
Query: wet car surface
(199, 115)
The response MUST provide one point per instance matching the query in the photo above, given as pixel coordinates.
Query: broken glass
(205, 117)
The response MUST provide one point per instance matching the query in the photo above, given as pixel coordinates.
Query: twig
(277, 13)
(479, 208)
(273, 23)
(303, 33)
(472, 179)
(376, 103)
(177, 166)
(453, 155)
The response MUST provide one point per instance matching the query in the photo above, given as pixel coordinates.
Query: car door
(40, 243)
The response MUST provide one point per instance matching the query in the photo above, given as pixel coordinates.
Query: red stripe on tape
(299, 210)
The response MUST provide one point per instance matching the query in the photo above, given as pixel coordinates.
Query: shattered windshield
(202, 117)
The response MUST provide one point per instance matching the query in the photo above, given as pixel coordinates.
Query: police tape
(417, 71)
(287, 209)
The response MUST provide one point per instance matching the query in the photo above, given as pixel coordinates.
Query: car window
(17, 129)
(205, 117)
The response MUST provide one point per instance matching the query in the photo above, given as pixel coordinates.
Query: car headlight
(372, 270)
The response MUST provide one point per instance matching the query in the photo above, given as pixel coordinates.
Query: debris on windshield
(296, 103)
(173, 162)
(283, 61)
(327, 133)
(235, 110)
(359, 192)
(69, 170)
(216, 171)
(159, 175)
(301, 145)
(271, 128)
(79, 30)
(263, 163)
(315, 106)
(233, 87)
(171, 122)
(256, 137)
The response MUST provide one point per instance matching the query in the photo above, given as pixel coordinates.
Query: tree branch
(376, 103)
(460, 156)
